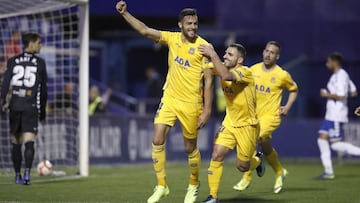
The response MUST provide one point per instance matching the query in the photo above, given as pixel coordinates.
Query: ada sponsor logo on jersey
(181, 61)
(262, 88)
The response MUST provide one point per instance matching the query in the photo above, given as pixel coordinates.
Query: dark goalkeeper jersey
(26, 78)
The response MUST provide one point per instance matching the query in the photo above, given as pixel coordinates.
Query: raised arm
(139, 26)
(223, 72)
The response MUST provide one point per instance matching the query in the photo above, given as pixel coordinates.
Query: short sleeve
(289, 83)
(352, 86)
(242, 75)
(166, 37)
(342, 86)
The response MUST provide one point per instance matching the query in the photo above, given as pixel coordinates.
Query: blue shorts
(335, 130)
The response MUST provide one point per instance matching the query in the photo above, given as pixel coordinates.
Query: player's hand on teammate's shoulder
(206, 50)
(121, 7)
(357, 111)
(284, 111)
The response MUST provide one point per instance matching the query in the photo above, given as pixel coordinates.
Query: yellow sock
(274, 162)
(194, 160)
(254, 163)
(247, 175)
(159, 161)
(214, 177)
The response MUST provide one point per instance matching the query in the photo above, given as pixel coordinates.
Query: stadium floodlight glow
(64, 28)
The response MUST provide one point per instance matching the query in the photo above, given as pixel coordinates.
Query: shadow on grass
(251, 200)
(347, 176)
(303, 189)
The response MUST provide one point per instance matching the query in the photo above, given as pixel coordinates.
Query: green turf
(133, 184)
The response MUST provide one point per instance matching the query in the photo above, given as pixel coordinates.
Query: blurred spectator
(64, 100)
(154, 83)
(97, 104)
(154, 88)
(12, 47)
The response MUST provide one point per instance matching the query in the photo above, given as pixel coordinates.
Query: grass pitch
(134, 184)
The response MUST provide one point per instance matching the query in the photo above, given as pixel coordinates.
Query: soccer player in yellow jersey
(270, 81)
(182, 98)
(240, 127)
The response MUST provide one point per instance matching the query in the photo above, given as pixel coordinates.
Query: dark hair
(336, 56)
(275, 43)
(241, 49)
(187, 12)
(29, 37)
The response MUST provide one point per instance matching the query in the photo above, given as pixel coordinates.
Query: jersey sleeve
(242, 75)
(43, 91)
(342, 86)
(352, 86)
(166, 37)
(289, 83)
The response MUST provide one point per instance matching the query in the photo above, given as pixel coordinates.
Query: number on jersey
(24, 76)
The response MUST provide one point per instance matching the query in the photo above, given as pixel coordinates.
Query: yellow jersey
(186, 64)
(240, 98)
(269, 88)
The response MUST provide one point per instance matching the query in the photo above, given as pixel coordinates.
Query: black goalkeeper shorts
(23, 121)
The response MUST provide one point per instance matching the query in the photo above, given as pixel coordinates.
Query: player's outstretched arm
(139, 26)
(357, 111)
(223, 72)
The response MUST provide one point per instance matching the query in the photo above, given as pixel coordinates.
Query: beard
(189, 36)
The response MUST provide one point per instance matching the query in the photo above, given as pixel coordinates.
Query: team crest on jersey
(273, 80)
(191, 50)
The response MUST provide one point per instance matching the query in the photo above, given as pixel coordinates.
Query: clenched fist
(121, 7)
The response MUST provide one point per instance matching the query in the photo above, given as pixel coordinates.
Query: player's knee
(216, 156)
(242, 166)
(158, 139)
(323, 136)
(189, 148)
(266, 146)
